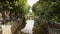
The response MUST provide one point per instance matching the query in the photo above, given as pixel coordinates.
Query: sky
(31, 2)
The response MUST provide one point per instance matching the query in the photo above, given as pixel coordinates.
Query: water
(29, 26)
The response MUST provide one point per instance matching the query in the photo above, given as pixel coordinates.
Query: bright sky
(31, 2)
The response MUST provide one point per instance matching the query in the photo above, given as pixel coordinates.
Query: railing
(54, 31)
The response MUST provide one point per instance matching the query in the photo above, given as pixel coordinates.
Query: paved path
(28, 27)
(37, 30)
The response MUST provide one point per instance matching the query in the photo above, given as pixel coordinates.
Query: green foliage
(28, 15)
(48, 9)
(15, 5)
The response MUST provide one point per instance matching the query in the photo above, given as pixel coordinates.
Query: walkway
(37, 30)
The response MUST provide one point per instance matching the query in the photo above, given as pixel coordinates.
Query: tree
(20, 7)
(48, 10)
(15, 5)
